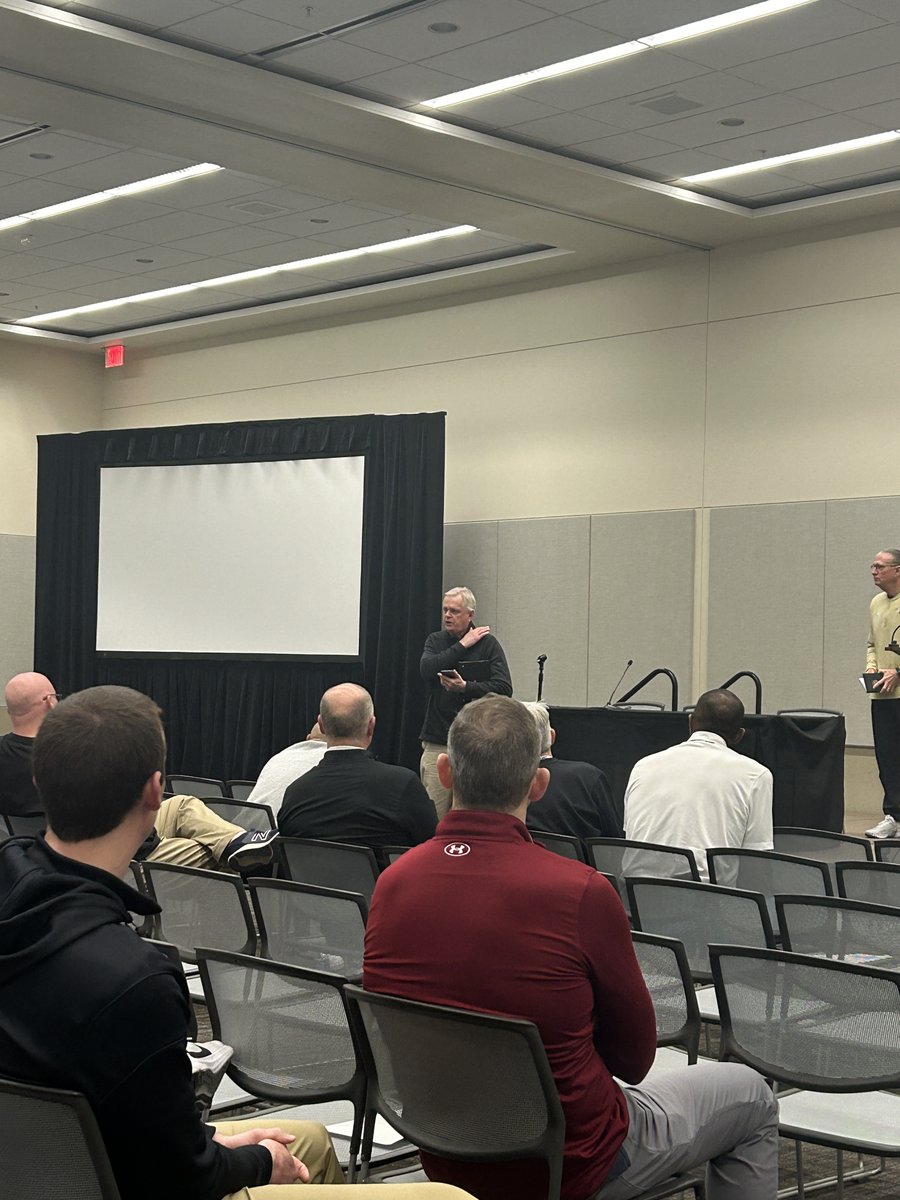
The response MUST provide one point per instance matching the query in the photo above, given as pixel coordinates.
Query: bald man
(29, 697)
(348, 796)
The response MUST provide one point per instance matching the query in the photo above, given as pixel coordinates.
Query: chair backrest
(822, 846)
(195, 785)
(625, 856)
(560, 843)
(337, 865)
(309, 926)
(460, 1084)
(242, 812)
(26, 824)
(239, 789)
(888, 850)
(289, 1029)
(200, 908)
(667, 974)
(832, 927)
(697, 914)
(770, 873)
(389, 854)
(52, 1147)
(809, 1022)
(875, 882)
(808, 712)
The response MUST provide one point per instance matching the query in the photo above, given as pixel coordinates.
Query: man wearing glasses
(29, 697)
(884, 620)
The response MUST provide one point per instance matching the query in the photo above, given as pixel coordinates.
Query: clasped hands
(285, 1167)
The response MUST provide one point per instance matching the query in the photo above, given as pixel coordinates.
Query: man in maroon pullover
(482, 918)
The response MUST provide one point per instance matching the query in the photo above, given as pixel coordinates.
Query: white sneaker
(887, 827)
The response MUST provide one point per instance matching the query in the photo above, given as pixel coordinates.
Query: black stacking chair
(336, 865)
(196, 785)
(242, 812)
(559, 843)
(309, 926)
(874, 882)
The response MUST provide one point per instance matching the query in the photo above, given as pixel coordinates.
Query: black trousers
(886, 734)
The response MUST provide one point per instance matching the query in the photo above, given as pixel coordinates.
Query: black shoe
(250, 849)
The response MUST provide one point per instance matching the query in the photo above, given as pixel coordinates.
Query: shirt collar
(704, 738)
(496, 826)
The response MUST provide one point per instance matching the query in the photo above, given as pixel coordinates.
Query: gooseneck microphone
(628, 667)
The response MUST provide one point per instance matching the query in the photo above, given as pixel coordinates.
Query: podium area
(804, 753)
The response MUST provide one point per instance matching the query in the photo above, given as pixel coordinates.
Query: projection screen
(242, 558)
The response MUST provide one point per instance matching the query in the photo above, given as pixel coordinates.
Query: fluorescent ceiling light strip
(739, 16)
(116, 193)
(781, 160)
(419, 239)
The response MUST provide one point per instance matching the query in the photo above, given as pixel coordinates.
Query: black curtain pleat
(224, 719)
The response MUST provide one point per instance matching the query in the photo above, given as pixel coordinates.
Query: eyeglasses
(55, 695)
(884, 566)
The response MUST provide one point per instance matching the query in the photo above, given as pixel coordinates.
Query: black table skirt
(804, 754)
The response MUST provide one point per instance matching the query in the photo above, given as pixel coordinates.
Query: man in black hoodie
(86, 1003)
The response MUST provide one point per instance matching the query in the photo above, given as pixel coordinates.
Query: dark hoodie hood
(48, 901)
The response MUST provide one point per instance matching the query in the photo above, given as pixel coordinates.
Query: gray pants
(723, 1114)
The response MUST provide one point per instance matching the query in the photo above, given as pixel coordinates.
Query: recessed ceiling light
(320, 260)
(781, 160)
(116, 193)
(444, 27)
(738, 16)
(41, 157)
(144, 260)
(732, 122)
(318, 220)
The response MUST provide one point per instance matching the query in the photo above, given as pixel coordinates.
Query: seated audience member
(482, 918)
(702, 793)
(348, 796)
(187, 833)
(284, 767)
(578, 801)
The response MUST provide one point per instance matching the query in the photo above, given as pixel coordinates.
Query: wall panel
(17, 605)
(470, 560)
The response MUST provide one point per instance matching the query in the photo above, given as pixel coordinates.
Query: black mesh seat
(310, 926)
(242, 812)
(26, 824)
(617, 858)
(336, 865)
(769, 873)
(888, 850)
(874, 883)
(464, 1085)
(829, 1028)
(560, 843)
(289, 1030)
(239, 789)
(52, 1148)
(667, 974)
(200, 908)
(195, 785)
(822, 846)
(832, 927)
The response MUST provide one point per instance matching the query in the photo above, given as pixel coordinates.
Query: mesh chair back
(809, 1022)
(52, 1148)
(289, 1029)
(335, 865)
(200, 908)
(559, 843)
(460, 1084)
(697, 914)
(667, 975)
(309, 926)
(831, 927)
(239, 789)
(821, 846)
(195, 785)
(875, 883)
(624, 856)
(888, 850)
(389, 854)
(26, 824)
(243, 813)
(770, 873)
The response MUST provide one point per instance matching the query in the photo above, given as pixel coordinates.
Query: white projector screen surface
(259, 558)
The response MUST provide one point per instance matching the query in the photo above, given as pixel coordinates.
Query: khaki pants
(439, 795)
(312, 1146)
(192, 834)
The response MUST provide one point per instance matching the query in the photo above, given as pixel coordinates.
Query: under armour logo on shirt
(456, 849)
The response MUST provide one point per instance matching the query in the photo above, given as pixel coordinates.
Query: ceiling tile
(22, 266)
(879, 8)
(477, 22)
(629, 19)
(830, 60)
(496, 112)
(759, 116)
(65, 151)
(162, 257)
(563, 129)
(115, 169)
(70, 277)
(336, 61)
(669, 167)
(378, 231)
(649, 70)
(224, 241)
(854, 92)
(623, 147)
(171, 228)
(163, 274)
(280, 252)
(110, 215)
(322, 16)
(332, 216)
(410, 84)
(253, 209)
(876, 161)
(30, 194)
(94, 246)
(802, 136)
(155, 15)
(717, 89)
(883, 116)
(236, 29)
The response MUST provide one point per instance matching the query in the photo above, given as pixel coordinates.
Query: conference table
(804, 753)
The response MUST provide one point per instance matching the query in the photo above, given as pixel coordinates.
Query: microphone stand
(542, 658)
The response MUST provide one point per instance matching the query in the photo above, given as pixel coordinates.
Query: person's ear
(370, 729)
(552, 736)
(538, 785)
(445, 771)
(152, 792)
(739, 736)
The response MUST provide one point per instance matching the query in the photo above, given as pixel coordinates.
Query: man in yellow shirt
(884, 624)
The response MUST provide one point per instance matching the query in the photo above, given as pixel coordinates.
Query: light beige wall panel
(594, 426)
(855, 530)
(753, 279)
(766, 601)
(800, 403)
(470, 560)
(43, 389)
(648, 296)
(542, 605)
(16, 605)
(642, 605)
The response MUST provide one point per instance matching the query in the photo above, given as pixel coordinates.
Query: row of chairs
(198, 785)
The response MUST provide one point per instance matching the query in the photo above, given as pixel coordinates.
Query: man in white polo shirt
(702, 793)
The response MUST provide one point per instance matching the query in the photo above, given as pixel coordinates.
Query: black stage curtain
(225, 719)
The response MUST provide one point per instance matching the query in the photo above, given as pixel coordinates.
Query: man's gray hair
(465, 594)
(541, 714)
(895, 555)
(494, 752)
